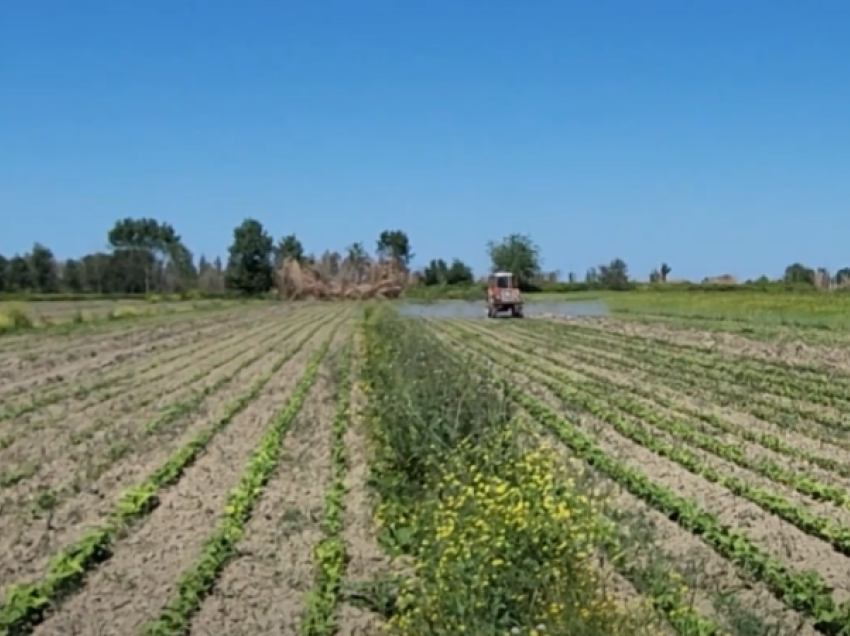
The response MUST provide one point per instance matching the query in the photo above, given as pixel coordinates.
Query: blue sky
(711, 134)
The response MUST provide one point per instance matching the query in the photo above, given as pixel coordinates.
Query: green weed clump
(15, 317)
(503, 539)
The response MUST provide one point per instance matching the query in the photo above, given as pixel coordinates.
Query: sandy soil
(69, 362)
(138, 581)
(795, 353)
(262, 591)
(56, 519)
(85, 443)
(94, 397)
(367, 560)
(803, 420)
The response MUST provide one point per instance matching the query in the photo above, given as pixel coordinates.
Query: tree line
(146, 256)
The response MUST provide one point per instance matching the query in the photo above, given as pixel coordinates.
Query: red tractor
(503, 295)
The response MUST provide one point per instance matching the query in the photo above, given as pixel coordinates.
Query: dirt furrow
(796, 353)
(160, 375)
(366, 558)
(59, 367)
(132, 587)
(32, 535)
(644, 381)
(262, 591)
(72, 453)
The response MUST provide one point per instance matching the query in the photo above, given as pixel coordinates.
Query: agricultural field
(734, 450)
(20, 315)
(337, 468)
(169, 475)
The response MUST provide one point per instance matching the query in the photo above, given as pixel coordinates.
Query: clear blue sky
(712, 134)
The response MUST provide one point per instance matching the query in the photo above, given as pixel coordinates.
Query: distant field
(65, 312)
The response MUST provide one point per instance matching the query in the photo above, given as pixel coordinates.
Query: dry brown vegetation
(325, 281)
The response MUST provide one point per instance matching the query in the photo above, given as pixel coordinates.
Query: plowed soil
(136, 397)
(570, 359)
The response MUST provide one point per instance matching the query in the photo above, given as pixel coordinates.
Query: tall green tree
(72, 276)
(799, 274)
(435, 273)
(150, 244)
(289, 247)
(459, 273)
(395, 245)
(614, 275)
(4, 264)
(249, 264)
(43, 268)
(516, 253)
(18, 274)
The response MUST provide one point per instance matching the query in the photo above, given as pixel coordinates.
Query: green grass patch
(500, 534)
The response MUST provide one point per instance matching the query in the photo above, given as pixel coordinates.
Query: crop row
(654, 578)
(124, 377)
(330, 554)
(219, 357)
(171, 413)
(195, 584)
(804, 592)
(774, 378)
(713, 423)
(26, 605)
(678, 372)
(595, 400)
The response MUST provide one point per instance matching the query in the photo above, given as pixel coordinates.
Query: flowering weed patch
(502, 538)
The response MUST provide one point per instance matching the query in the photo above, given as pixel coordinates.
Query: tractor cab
(503, 295)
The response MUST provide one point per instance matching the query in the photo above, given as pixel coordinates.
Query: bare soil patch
(133, 586)
(262, 591)
(367, 560)
(79, 448)
(795, 353)
(73, 360)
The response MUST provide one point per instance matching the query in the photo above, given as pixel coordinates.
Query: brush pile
(325, 281)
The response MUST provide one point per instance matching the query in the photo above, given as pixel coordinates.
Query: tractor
(503, 295)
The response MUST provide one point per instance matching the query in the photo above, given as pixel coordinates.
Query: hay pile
(304, 280)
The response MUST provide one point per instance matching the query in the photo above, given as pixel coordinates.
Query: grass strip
(197, 582)
(26, 605)
(321, 602)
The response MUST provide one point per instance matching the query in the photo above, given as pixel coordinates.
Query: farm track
(75, 451)
(58, 364)
(204, 445)
(737, 486)
(134, 587)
